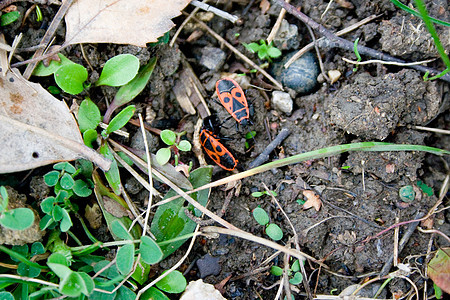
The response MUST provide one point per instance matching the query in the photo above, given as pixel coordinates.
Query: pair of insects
(233, 99)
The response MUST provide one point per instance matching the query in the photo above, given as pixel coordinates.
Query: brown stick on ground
(333, 41)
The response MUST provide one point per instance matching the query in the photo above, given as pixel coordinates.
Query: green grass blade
(415, 13)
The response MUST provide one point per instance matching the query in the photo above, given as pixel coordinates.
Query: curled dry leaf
(313, 200)
(37, 129)
(134, 22)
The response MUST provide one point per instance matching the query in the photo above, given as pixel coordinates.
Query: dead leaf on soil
(313, 200)
(439, 269)
(37, 129)
(134, 22)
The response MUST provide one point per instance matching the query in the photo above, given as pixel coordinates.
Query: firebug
(210, 141)
(233, 99)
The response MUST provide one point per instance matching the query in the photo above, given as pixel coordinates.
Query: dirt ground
(359, 190)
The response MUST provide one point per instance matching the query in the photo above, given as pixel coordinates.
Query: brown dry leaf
(37, 129)
(264, 5)
(134, 22)
(313, 200)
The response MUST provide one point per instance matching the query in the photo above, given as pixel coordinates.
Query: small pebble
(301, 76)
(407, 193)
(283, 102)
(334, 75)
(208, 265)
(212, 58)
(201, 290)
(287, 36)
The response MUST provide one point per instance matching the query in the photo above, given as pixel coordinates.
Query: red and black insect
(213, 147)
(233, 99)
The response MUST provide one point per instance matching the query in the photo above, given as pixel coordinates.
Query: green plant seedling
(119, 70)
(38, 14)
(355, 49)
(294, 273)
(41, 70)
(71, 77)
(130, 90)
(249, 136)
(24, 269)
(15, 219)
(260, 194)
(120, 120)
(170, 138)
(272, 230)
(261, 216)
(264, 51)
(9, 18)
(88, 115)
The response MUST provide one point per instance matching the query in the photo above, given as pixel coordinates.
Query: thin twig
(376, 61)
(277, 25)
(216, 11)
(264, 156)
(150, 178)
(238, 53)
(180, 28)
(333, 41)
(437, 130)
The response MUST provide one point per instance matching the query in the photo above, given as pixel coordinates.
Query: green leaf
(154, 294)
(58, 258)
(126, 158)
(276, 271)
(250, 135)
(437, 291)
(274, 232)
(184, 146)
(88, 282)
(89, 136)
(262, 53)
(17, 219)
(252, 47)
(170, 221)
(66, 166)
(168, 137)
(46, 222)
(425, 188)
(113, 175)
(141, 272)
(57, 213)
(274, 52)
(66, 181)
(61, 271)
(88, 115)
(54, 65)
(261, 216)
(81, 188)
(4, 201)
(297, 279)
(66, 222)
(9, 18)
(70, 78)
(119, 70)
(133, 88)
(163, 155)
(54, 90)
(121, 119)
(85, 166)
(125, 259)
(9, 296)
(295, 266)
(257, 194)
(97, 295)
(51, 178)
(37, 248)
(173, 283)
(73, 285)
(150, 251)
(120, 230)
(28, 271)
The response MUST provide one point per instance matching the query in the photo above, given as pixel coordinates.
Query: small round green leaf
(163, 156)
(9, 18)
(57, 213)
(46, 222)
(73, 285)
(28, 271)
(70, 78)
(168, 137)
(66, 166)
(89, 136)
(51, 178)
(261, 216)
(8, 296)
(37, 248)
(154, 294)
(119, 70)
(276, 271)
(297, 279)
(173, 283)
(274, 232)
(88, 115)
(17, 219)
(66, 222)
(184, 146)
(125, 259)
(54, 90)
(295, 266)
(54, 65)
(67, 181)
(81, 188)
(89, 283)
(58, 258)
(150, 251)
(121, 119)
(257, 194)
(274, 52)
(252, 47)
(120, 231)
